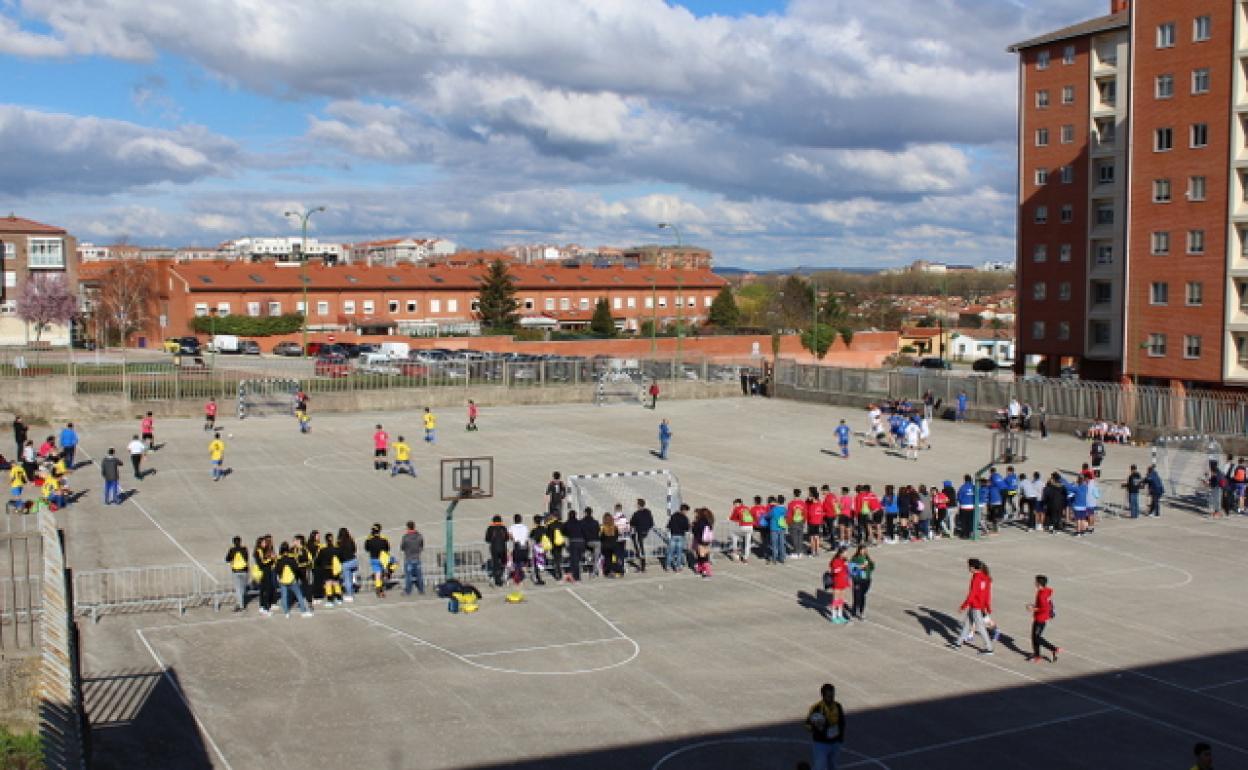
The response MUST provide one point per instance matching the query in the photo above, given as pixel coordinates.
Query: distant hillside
(728, 271)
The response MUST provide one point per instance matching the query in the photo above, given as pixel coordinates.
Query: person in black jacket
(641, 523)
(593, 541)
(678, 532)
(1053, 500)
(496, 537)
(349, 559)
(535, 537)
(236, 557)
(20, 433)
(576, 546)
(554, 524)
(331, 583)
(377, 545)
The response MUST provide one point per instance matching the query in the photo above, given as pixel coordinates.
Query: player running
(472, 416)
(210, 414)
(842, 439)
(431, 427)
(381, 440)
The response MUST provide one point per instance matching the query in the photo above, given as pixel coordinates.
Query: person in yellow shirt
(52, 492)
(402, 458)
(826, 722)
(431, 427)
(17, 480)
(305, 422)
(216, 452)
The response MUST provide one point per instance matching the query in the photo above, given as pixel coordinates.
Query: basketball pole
(449, 564)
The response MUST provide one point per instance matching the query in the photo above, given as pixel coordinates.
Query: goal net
(601, 491)
(267, 395)
(619, 387)
(1183, 464)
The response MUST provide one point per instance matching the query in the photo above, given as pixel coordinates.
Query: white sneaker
(348, 598)
(306, 615)
(264, 613)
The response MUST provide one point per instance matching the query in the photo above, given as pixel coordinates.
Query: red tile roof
(12, 224)
(241, 276)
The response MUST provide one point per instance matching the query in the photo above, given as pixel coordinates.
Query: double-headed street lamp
(303, 217)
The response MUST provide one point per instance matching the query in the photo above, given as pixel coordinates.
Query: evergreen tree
(601, 323)
(497, 300)
(819, 339)
(724, 313)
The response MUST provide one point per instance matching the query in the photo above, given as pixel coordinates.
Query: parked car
(934, 363)
(332, 366)
(984, 365)
(287, 349)
(249, 347)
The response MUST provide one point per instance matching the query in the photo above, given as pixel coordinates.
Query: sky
(774, 132)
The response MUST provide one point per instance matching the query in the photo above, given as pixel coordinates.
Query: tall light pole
(303, 217)
(680, 330)
(654, 315)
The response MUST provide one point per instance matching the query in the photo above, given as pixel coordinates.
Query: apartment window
(253, 309)
(392, 306)
(1195, 294)
(1042, 99)
(370, 307)
(1196, 188)
(1106, 133)
(708, 300)
(201, 308)
(275, 308)
(1163, 86)
(1042, 60)
(411, 306)
(1161, 243)
(1063, 253)
(452, 306)
(662, 301)
(1063, 291)
(1156, 345)
(474, 304)
(565, 303)
(1195, 241)
(1105, 213)
(1161, 191)
(322, 308)
(1105, 173)
(45, 254)
(649, 303)
(348, 306)
(1042, 137)
(1109, 91)
(1165, 35)
(1163, 139)
(1067, 213)
(223, 308)
(1037, 330)
(1202, 27)
(550, 303)
(617, 303)
(632, 302)
(435, 306)
(299, 308)
(1159, 293)
(1042, 176)
(1200, 81)
(1200, 134)
(1040, 253)
(1105, 254)
(1063, 330)
(1102, 293)
(1100, 332)
(584, 303)
(529, 304)
(1068, 94)
(1039, 291)
(1068, 134)
(1191, 346)
(1042, 215)
(1068, 55)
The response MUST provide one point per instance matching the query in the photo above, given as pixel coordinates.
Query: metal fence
(21, 556)
(1196, 411)
(63, 726)
(157, 378)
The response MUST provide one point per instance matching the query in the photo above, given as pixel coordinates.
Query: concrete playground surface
(656, 671)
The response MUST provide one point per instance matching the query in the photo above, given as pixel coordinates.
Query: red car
(333, 366)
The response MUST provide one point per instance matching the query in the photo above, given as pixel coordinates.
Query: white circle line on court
(467, 659)
(867, 759)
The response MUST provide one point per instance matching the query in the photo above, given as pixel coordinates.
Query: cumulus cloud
(67, 153)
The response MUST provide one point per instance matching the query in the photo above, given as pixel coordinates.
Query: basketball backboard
(467, 478)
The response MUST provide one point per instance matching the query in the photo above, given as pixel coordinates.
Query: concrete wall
(19, 692)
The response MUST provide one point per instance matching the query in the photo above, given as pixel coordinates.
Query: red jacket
(979, 595)
(814, 512)
(793, 511)
(840, 573)
(1043, 604)
(739, 512)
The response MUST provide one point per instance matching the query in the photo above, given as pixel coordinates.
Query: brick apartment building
(31, 247)
(1133, 194)
(416, 299)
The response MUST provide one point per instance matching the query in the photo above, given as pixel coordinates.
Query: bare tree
(125, 301)
(46, 300)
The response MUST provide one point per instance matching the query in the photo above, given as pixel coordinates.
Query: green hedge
(249, 326)
(20, 751)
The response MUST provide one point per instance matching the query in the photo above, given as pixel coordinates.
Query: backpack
(1241, 474)
(448, 589)
(827, 581)
(257, 574)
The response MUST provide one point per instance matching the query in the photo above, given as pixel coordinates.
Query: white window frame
(1196, 188)
(549, 304)
(1068, 55)
(452, 306)
(1156, 345)
(1042, 177)
(1163, 86)
(1195, 241)
(565, 303)
(1042, 137)
(223, 308)
(707, 300)
(1066, 214)
(1192, 342)
(632, 302)
(1040, 253)
(1067, 134)
(662, 301)
(348, 307)
(322, 307)
(45, 253)
(275, 308)
(1068, 94)
(1161, 191)
(1159, 293)
(583, 303)
(253, 309)
(1163, 139)
(617, 303)
(201, 308)
(392, 306)
(1042, 99)
(1042, 60)
(1194, 294)
(649, 303)
(1202, 29)
(1039, 291)
(1041, 215)
(1159, 243)
(435, 306)
(1101, 176)
(368, 307)
(1165, 35)
(1199, 135)
(1200, 80)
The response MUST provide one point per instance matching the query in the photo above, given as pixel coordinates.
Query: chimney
(1119, 5)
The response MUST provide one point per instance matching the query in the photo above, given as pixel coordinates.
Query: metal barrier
(143, 588)
(21, 598)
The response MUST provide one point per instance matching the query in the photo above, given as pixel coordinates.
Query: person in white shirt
(1030, 489)
(876, 424)
(136, 448)
(519, 533)
(912, 440)
(925, 433)
(1016, 413)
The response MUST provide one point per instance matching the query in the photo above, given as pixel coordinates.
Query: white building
(537, 253)
(992, 266)
(392, 251)
(282, 249)
(89, 252)
(968, 348)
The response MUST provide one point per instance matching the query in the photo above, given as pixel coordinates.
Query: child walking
(472, 415)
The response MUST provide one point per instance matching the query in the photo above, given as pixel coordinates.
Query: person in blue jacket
(777, 529)
(842, 439)
(1011, 494)
(1155, 490)
(996, 501)
(962, 403)
(69, 444)
(966, 506)
(665, 438)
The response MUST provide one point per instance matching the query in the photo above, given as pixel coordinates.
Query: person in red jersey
(1041, 613)
(743, 523)
(977, 605)
(838, 578)
(796, 515)
(381, 440)
(814, 521)
(210, 414)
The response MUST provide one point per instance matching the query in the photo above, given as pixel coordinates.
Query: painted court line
(546, 647)
(1228, 683)
(203, 730)
(668, 757)
(163, 531)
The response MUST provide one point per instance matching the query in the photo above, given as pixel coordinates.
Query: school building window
(223, 308)
(348, 306)
(322, 308)
(275, 308)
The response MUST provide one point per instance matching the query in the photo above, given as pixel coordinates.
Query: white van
(394, 350)
(376, 363)
(225, 343)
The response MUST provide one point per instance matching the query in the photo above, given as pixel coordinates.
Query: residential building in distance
(668, 257)
(29, 248)
(393, 251)
(1133, 213)
(283, 249)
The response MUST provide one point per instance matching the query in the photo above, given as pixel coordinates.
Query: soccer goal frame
(611, 389)
(258, 397)
(1182, 461)
(598, 490)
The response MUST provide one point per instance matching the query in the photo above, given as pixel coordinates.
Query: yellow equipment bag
(515, 597)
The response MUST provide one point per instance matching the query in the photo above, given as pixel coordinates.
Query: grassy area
(20, 751)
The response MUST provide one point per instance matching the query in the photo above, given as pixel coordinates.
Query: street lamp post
(654, 313)
(680, 330)
(212, 334)
(303, 217)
